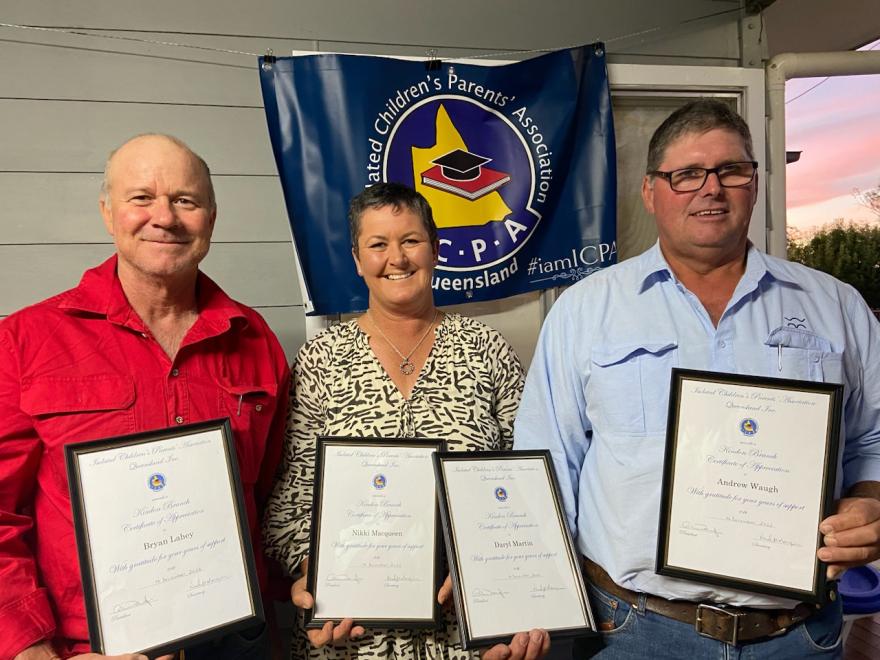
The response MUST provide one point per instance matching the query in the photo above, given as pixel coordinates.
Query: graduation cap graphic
(464, 173)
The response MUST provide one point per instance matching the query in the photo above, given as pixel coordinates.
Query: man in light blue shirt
(702, 298)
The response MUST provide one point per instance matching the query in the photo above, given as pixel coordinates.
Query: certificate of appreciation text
(513, 563)
(749, 476)
(375, 533)
(163, 545)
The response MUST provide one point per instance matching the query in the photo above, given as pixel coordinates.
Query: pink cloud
(837, 126)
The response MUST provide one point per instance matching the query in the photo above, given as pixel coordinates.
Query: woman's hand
(330, 633)
(445, 593)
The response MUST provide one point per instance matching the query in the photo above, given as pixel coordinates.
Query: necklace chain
(406, 367)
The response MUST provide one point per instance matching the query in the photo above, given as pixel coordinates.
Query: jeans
(251, 644)
(634, 632)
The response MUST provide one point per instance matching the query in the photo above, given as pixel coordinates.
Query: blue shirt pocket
(802, 355)
(628, 389)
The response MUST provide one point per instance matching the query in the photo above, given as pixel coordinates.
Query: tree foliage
(848, 251)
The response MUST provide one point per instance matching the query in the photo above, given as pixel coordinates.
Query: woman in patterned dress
(403, 369)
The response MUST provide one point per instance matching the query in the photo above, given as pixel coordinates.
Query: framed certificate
(375, 535)
(162, 534)
(749, 474)
(513, 564)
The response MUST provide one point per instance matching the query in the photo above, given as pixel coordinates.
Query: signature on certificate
(336, 579)
(486, 594)
(541, 590)
(132, 605)
(698, 528)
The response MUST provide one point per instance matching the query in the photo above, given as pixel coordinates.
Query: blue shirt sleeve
(861, 454)
(552, 414)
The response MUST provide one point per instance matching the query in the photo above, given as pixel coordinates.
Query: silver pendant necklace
(406, 367)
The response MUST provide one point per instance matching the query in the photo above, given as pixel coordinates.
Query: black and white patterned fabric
(467, 394)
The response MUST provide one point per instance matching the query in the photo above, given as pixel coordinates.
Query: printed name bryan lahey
(174, 538)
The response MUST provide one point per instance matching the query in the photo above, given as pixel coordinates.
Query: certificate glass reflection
(749, 474)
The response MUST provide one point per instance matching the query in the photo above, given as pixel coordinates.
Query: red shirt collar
(100, 292)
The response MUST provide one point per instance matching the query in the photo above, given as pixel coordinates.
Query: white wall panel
(38, 207)
(56, 65)
(289, 324)
(75, 136)
(257, 274)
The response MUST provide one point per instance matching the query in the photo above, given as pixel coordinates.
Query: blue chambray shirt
(597, 391)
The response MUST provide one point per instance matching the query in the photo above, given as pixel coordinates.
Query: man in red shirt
(145, 341)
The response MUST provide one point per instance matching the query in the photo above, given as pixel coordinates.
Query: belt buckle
(698, 623)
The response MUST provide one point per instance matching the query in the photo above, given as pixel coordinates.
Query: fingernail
(536, 636)
(826, 529)
(824, 554)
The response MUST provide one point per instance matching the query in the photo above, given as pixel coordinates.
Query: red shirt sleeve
(275, 440)
(25, 613)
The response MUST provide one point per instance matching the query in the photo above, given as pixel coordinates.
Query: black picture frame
(75, 452)
(316, 536)
(468, 639)
(762, 387)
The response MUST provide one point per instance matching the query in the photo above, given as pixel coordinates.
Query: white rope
(81, 33)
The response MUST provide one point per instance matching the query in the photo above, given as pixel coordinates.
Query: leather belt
(731, 625)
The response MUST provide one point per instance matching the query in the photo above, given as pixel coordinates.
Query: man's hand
(524, 646)
(44, 651)
(329, 634)
(852, 535)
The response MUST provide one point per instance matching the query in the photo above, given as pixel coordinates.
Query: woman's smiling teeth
(398, 276)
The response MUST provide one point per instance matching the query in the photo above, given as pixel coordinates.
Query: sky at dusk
(837, 126)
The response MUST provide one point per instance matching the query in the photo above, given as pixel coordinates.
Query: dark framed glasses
(691, 179)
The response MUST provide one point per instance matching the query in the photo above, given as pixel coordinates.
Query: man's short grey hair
(395, 195)
(698, 116)
(105, 182)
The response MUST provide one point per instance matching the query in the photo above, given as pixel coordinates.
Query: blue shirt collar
(654, 268)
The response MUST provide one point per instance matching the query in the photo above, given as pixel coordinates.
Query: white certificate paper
(375, 533)
(164, 540)
(748, 482)
(513, 560)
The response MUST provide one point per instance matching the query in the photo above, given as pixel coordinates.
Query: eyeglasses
(691, 179)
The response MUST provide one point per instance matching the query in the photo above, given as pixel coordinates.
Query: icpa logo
(748, 426)
(476, 168)
(156, 481)
(379, 481)
(501, 494)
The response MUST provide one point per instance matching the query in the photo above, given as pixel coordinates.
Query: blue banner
(517, 162)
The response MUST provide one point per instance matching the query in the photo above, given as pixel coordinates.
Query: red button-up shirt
(82, 366)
